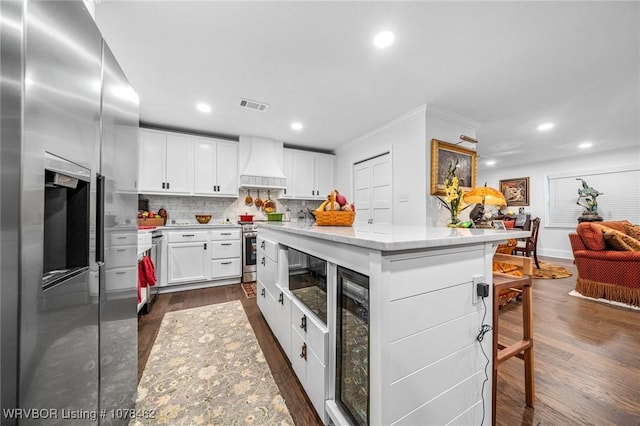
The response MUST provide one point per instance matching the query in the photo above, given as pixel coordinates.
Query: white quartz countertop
(395, 237)
(198, 226)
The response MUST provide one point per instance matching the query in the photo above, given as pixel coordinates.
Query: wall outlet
(477, 279)
(404, 198)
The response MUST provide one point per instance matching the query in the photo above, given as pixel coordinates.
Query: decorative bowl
(203, 218)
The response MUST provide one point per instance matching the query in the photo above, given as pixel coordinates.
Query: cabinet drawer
(117, 257)
(267, 272)
(130, 238)
(187, 236)
(121, 279)
(310, 329)
(225, 249)
(225, 234)
(268, 248)
(221, 268)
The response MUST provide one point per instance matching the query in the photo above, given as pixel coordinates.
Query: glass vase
(453, 221)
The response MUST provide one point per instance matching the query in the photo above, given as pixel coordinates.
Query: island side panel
(429, 364)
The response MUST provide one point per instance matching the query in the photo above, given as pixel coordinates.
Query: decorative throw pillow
(632, 230)
(591, 235)
(620, 241)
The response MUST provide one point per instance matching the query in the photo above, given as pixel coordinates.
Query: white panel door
(179, 160)
(152, 161)
(362, 191)
(227, 168)
(373, 195)
(204, 166)
(323, 175)
(382, 197)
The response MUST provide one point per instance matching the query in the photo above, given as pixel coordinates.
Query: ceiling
(507, 65)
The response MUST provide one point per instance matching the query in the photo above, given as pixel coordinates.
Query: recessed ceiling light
(584, 145)
(296, 126)
(203, 107)
(546, 126)
(490, 162)
(383, 39)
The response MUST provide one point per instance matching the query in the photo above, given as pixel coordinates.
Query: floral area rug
(206, 368)
(249, 289)
(549, 271)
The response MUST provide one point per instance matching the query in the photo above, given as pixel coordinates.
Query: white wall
(408, 138)
(554, 242)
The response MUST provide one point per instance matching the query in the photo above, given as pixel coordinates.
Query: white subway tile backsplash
(184, 208)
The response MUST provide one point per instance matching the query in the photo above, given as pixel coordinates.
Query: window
(620, 197)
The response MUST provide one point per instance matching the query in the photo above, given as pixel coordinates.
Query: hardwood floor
(586, 356)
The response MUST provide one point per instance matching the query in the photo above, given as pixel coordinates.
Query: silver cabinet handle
(120, 273)
(262, 245)
(262, 293)
(226, 263)
(121, 250)
(121, 238)
(281, 299)
(188, 235)
(205, 246)
(225, 244)
(225, 233)
(263, 261)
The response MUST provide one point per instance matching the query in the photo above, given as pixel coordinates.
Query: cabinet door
(227, 168)
(188, 262)
(288, 168)
(204, 166)
(265, 302)
(304, 177)
(179, 160)
(152, 161)
(282, 319)
(323, 175)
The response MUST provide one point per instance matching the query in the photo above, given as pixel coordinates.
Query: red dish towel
(146, 274)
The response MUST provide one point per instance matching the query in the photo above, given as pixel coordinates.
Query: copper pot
(249, 200)
(269, 206)
(258, 201)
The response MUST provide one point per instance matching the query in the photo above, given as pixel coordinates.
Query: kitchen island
(396, 338)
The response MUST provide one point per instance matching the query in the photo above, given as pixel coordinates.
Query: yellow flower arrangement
(453, 194)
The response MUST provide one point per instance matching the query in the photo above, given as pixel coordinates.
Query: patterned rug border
(206, 367)
(608, 302)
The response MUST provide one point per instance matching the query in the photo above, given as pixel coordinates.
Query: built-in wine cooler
(352, 345)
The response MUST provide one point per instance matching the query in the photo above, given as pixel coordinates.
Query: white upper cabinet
(165, 161)
(309, 174)
(175, 163)
(215, 167)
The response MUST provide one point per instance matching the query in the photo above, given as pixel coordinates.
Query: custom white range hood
(261, 163)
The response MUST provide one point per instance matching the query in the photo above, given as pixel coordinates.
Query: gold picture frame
(515, 191)
(442, 155)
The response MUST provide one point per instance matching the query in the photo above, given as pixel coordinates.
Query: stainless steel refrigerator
(68, 242)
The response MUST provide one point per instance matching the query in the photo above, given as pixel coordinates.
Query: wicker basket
(150, 221)
(334, 217)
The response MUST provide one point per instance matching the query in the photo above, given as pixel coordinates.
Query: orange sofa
(602, 271)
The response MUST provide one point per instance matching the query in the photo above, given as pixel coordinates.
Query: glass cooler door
(352, 346)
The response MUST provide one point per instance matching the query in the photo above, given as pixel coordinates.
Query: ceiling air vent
(260, 106)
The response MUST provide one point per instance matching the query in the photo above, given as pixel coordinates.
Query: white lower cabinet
(197, 255)
(309, 343)
(187, 262)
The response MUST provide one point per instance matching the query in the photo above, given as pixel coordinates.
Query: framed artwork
(515, 191)
(498, 224)
(444, 154)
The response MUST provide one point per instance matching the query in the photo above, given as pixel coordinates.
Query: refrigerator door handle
(100, 219)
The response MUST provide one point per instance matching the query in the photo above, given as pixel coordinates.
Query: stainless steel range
(249, 267)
